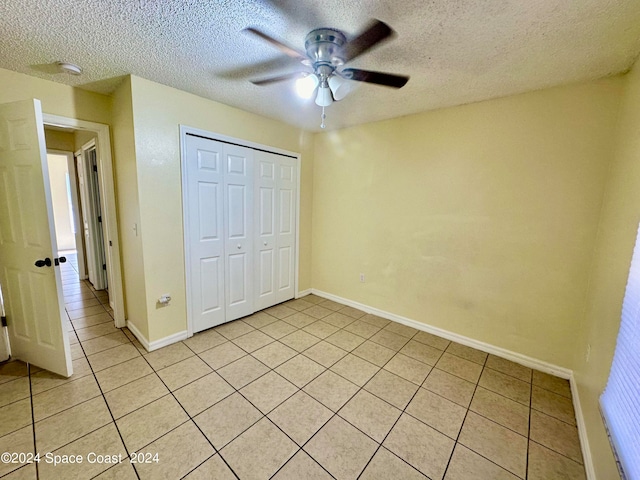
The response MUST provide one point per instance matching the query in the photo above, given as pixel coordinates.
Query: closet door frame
(187, 130)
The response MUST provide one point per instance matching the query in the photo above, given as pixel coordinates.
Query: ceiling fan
(327, 50)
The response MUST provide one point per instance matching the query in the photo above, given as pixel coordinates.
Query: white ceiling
(456, 51)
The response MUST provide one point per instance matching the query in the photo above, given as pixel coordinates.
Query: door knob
(265, 244)
(43, 263)
(239, 246)
(58, 261)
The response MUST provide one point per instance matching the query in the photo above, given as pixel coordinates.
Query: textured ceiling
(456, 51)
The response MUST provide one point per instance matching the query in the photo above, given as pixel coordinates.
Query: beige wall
(157, 113)
(479, 219)
(57, 140)
(616, 237)
(56, 98)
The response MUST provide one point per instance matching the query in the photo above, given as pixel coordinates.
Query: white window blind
(620, 401)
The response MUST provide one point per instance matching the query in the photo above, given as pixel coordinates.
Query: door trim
(218, 137)
(108, 201)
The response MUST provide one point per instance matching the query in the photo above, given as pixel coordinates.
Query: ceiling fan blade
(379, 78)
(375, 33)
(279, 78)
(286, 49)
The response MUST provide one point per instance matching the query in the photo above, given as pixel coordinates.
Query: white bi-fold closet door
(239, 230)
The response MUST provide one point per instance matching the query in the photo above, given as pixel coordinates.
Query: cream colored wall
(157, 113)
(56, 98)
(616, 237)
(478, 219)
(82, 137)
(57, 140)
(128, 205)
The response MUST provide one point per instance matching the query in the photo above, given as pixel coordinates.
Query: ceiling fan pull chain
(323, 116)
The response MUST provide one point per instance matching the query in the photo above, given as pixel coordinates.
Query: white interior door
(32, 295)
(204, 203)
(84, 208)
(238, 219)
(93, 219)
(286, 227)
(265, 230)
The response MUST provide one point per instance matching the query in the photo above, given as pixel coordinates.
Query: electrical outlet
(362, 278)
(588, 354)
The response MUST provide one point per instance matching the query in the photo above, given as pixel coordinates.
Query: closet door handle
(239, 246)
(265, 244)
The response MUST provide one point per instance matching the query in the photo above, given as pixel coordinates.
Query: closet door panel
(286, 227)
(238, 217)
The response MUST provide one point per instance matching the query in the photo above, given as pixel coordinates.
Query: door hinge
(4, 321)
(104, 266)
(95, 168)
(100, 218)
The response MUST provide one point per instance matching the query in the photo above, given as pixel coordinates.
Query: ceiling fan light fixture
(340, 87)
(305, 86)
(324, 98)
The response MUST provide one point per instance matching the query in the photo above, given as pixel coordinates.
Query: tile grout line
(526, 471)
(33, 420)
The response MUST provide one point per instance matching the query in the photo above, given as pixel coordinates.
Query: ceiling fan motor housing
(324, 46)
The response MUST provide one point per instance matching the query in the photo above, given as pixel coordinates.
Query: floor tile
(314, 299)
(331, 305)
(375, 320)
(90, 302)
(28, 472)
(105, 342)
(242, 371)
(14, 390)
(204, 341)
(268, 391)
(468, 353)
(510, 368)
(63, 397)
(302, 466)
(466, 464)
(331, 390)
(69, 425)
(389, 339)
(506, 385)
(299, 304)
(299, 340)
(148, 423)
(496, 443)
(502, 410)
(552, 404)
(165, 356)
(363, 329)
(300, 417)
(432, 340)
(391, 388)
(85, 312)
(422, 352)
(420, 445)
(278, 329)
(227, 419)
(300, 370)
(370, 415)
(345, 340)
(280, 311)
(16, 442)
(221, 355)
(104, 441)
(555, 435)
(408, 368)
(123, 373)
(259, 320)
(15, 416)
(122, 471)
(374, 353)
(545, 464)
(325, 353)
(134, 395)
(355, 369)
(212, 469)
(92, 320)
(233, 329)
(352, 312)
(300, 320)
(179, 452)
(385, 465)
(113, 356)
(318, 312)
(95, 331)
(76, 351)
(554, 384)
(459, 367)
(401, 329)
(181, 373)
(338, 319)
(44, 380)
(206, 391)
(437, 412)
(320, 329)
(252, 341)
(274, 354)
(341, 449)
(259, 452)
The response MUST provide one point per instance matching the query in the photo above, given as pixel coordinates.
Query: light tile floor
(309, 389)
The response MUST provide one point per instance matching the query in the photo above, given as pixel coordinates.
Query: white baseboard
(155, 345)
(303, 293)
(488, 348)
